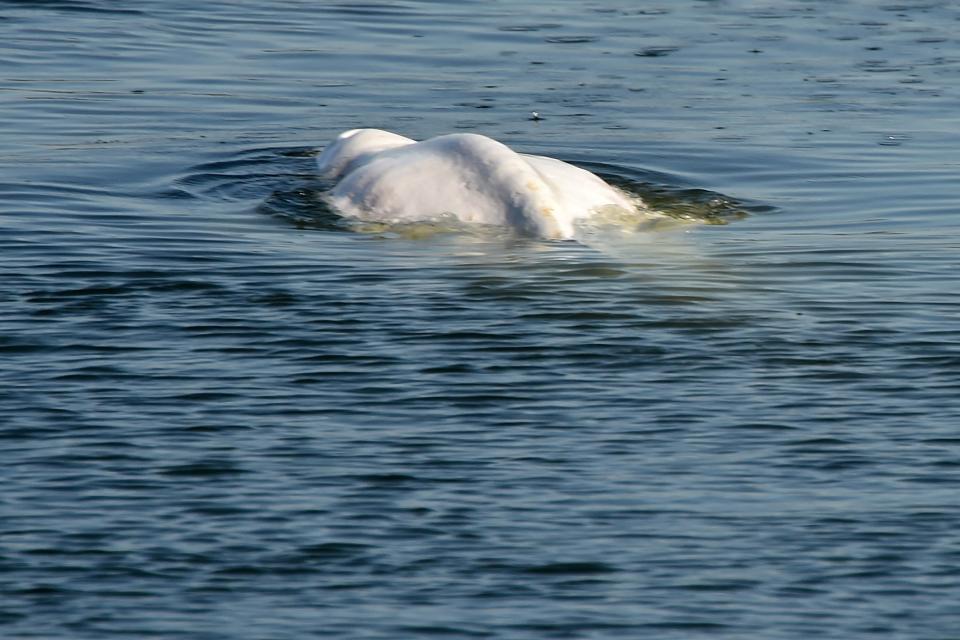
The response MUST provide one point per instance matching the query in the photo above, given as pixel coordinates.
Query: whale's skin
(384, 177)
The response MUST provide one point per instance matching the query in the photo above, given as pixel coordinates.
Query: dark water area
(224, 415)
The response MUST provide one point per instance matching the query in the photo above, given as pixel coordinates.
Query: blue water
(224, 415)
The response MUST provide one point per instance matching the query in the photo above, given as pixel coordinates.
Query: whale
(379, 176)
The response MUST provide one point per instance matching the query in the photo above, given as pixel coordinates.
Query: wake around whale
(384, 177)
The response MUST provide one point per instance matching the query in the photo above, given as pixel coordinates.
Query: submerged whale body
(384, 177)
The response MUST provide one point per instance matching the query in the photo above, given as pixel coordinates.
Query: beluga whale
(381, 176)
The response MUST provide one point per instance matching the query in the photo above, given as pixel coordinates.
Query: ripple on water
(299, 199)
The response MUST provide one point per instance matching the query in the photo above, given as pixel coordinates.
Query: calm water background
(224, 417)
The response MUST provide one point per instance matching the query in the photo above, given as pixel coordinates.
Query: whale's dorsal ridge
(383, 176)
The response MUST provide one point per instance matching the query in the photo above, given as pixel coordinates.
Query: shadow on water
(672, 196)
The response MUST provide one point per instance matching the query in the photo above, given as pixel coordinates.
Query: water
(225, 416)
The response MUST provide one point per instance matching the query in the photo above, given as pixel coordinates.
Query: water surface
(226, 416)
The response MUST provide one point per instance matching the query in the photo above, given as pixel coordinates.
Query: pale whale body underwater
(384, 177)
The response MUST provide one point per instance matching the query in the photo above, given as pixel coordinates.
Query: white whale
(384, 177)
